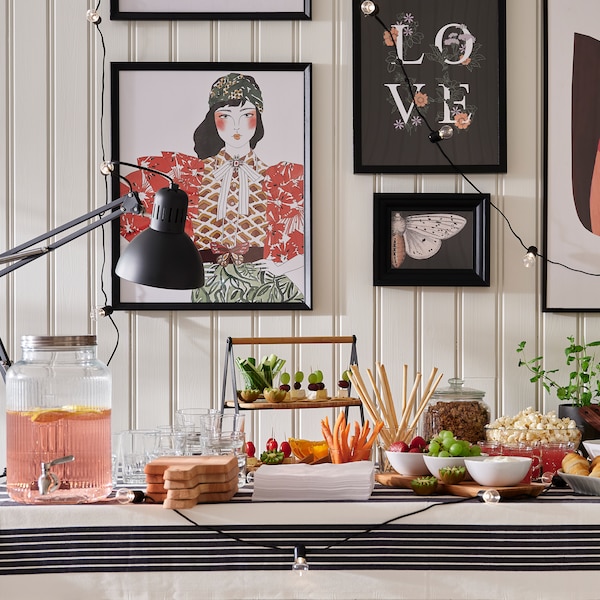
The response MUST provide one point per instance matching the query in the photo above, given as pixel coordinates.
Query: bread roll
(575, 464)
(595, 472)
(595, 461)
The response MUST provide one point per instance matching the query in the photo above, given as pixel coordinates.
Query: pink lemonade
(528, 451)
(552, 455)
(43, 435)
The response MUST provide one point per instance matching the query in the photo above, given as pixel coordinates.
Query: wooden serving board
(262, 404)
(468, 489)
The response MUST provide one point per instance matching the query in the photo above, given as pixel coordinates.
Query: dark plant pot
(588, 432)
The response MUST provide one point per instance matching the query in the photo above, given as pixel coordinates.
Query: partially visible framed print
(236, 138)
(571, 265)
(210, 9)
(431, 239)
(420, 66)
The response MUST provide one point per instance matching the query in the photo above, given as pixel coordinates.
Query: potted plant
(579, 391)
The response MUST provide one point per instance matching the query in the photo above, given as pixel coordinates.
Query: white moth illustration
(421, 236)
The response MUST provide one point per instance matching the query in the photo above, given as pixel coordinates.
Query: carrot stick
(336, 456)
(344, 446)
(354, 440)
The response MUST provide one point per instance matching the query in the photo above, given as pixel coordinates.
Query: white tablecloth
(396, 545)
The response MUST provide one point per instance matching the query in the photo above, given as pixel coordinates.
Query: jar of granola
(459, 409)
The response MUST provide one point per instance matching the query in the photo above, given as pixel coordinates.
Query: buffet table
(396, 545)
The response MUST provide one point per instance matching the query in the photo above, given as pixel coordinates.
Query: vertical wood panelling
(50, 99)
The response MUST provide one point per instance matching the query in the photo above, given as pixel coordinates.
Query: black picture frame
(463, 254)
(464, 91)
(238, 10)
(263, 259)
(571, 223)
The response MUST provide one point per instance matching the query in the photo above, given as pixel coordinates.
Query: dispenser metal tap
(48, 482)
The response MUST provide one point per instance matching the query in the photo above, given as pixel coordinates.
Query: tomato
(286, 449)
(250, 449)
(272, 445)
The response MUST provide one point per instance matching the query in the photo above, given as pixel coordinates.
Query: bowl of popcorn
(533, 428)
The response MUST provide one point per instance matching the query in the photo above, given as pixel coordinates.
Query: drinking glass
(172, 441)
(224, 434)
(191, 421)
(137, 447)
(529, 450)
(552, 455)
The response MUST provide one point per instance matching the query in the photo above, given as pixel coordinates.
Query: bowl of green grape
(445, 450)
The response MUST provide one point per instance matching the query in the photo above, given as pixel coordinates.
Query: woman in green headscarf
(250, 218)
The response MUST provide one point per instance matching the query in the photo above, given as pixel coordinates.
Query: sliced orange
(49, 415)
(302, 448)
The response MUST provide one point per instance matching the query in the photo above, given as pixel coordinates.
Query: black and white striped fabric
(418, 536)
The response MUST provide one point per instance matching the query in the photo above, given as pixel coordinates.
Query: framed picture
(236, 138)
(571, 270)
(420, 66)
(431, 239)
(210, 9)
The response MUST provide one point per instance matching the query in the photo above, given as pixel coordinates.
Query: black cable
(458, 170)
(106, 190)
(347, 539)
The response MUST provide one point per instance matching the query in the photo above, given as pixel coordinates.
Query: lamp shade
(163, 255)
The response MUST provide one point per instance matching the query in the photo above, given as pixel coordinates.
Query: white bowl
(435, 463)
(407, 463)
(592, 447)
(498, 471)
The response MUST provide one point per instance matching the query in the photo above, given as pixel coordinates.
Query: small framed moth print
(431, 239)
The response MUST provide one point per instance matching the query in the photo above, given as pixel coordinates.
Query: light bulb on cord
(368, 8)
(127, 496)
(445, 132)
(300, 565)
(491, 496)
(93, 16)
(529, 258)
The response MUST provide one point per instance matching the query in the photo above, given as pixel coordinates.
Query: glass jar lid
(457, 391)
(41, 342)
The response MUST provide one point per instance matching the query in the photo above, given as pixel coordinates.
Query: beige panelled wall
(50, 100)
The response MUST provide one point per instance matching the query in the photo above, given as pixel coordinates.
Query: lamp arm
(129, 203)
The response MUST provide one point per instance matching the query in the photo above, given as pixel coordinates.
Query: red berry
(418, 442)
(343, 384)
(416, 450)
(398, 447)
(297, 385)
(286, 449)
(250, 449)
(285, 387)
(271, 445)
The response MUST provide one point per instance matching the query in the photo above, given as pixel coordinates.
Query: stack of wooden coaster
(184, 481)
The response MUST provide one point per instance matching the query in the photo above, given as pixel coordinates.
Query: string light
(491, 496)
(445, 132)
(369, 8)
(529, 258)
(300, 564)
(126, 496)
(93, 16)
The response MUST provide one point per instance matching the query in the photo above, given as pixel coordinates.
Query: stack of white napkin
(301, 482)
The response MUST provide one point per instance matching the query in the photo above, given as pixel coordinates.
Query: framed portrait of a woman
(236, 139)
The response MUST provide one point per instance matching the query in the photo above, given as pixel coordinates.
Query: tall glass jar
(459, 409)
(58, 422)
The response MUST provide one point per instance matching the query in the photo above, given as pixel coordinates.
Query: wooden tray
(468, 489)
(262, 404)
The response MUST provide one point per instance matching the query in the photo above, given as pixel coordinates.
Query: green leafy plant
(583, 385)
